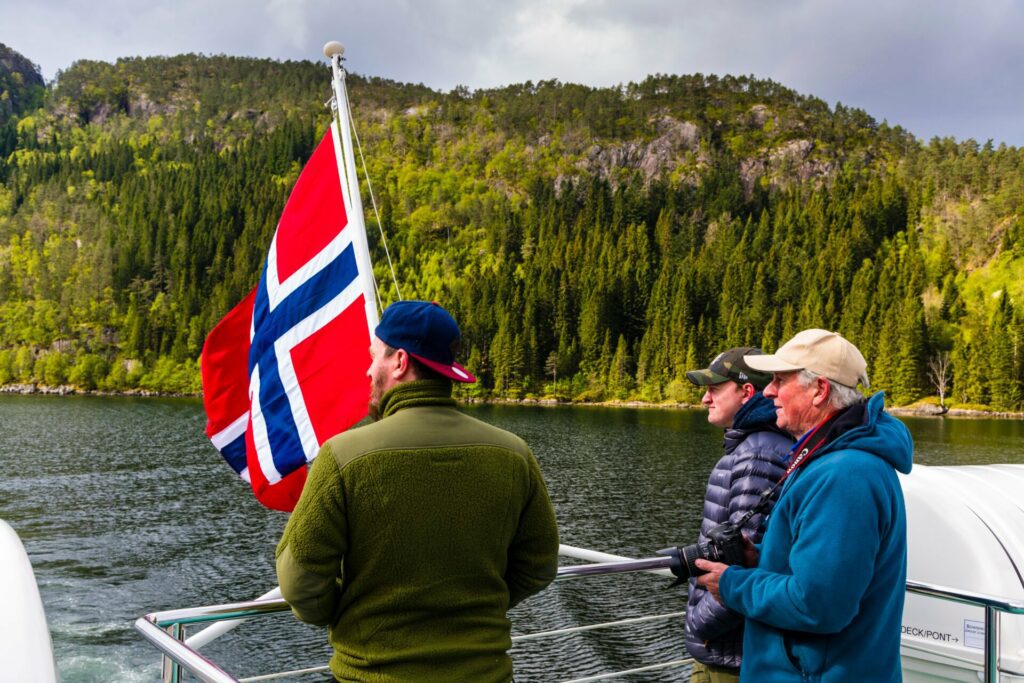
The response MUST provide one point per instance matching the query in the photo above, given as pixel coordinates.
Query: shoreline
(555, 403)
(926, 410)
(933, 411)
(914, 410)
(69, 390)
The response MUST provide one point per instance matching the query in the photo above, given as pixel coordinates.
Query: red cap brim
(454, 372)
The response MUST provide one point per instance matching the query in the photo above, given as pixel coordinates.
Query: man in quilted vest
(755, 450)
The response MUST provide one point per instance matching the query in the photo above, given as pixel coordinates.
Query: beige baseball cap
(820, 351)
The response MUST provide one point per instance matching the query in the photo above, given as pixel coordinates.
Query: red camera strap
(810, 446)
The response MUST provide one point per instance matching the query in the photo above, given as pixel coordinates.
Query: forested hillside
(594, 243)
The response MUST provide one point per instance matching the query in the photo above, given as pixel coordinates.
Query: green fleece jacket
(413, 537)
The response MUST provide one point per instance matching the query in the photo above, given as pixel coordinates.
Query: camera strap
(808, 446)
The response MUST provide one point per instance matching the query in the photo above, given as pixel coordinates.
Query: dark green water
(125, 508)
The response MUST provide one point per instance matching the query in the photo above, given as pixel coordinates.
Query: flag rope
(373, 202)
(338, 119)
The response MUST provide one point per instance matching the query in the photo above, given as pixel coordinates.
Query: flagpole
(334, 51)
(354, 205)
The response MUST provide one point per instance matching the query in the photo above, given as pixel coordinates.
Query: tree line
(594, 243)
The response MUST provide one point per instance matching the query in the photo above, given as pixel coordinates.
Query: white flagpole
(350, 182)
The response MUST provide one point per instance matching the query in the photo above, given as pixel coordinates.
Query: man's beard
(376, 392)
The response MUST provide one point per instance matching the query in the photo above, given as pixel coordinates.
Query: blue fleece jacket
(826, 599)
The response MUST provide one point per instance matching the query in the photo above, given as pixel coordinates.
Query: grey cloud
(938, 67)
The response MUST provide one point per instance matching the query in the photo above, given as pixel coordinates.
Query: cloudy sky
(935, 67)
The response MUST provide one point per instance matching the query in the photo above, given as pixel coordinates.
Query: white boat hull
(26, 653)
(965, 529)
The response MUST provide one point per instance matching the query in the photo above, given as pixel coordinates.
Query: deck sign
(929, 634)
(286, 369)
(974, 634)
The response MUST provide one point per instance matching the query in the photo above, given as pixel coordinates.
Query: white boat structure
(26, 653)
(965, 532)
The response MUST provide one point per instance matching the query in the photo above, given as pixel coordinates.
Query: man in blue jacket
(755, 453)
(825, 599)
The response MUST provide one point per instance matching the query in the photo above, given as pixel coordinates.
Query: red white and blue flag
(285, 369)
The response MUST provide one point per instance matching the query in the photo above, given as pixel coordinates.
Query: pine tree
(1004, 389)
(908, 376)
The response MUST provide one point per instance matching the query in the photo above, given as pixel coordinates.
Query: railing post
(991, 644)
(171, 669)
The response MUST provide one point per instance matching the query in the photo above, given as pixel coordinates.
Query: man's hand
(750, 554)
(714, 574)
(714, 569)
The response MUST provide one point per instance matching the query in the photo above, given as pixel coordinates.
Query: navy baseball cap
(426, 332)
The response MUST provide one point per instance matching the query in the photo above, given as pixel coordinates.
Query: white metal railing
(993, 607)
(166, 629)
(216, 630)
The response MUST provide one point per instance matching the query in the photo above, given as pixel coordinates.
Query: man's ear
(748, 391)
(822, 389)
(403, 365)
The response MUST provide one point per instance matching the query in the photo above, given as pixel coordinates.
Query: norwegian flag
(285, 369)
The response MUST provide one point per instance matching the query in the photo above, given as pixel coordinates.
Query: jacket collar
(756, 415)
(418, 393)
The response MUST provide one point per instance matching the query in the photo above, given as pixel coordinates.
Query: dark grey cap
(729, 366)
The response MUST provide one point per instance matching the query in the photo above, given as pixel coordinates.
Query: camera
(724, 544)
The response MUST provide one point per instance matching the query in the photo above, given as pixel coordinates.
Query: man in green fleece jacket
(415, 534)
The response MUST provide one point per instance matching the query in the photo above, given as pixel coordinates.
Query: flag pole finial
(333, 48)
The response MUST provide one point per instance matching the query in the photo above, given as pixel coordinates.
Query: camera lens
(683, 559)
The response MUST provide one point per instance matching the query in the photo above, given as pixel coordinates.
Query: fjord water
(125, 509)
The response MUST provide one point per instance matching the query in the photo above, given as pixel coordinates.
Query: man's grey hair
(839, 395)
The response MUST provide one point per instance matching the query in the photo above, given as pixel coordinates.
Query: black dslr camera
(724, 544)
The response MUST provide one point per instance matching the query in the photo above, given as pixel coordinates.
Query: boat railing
(166, 630)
